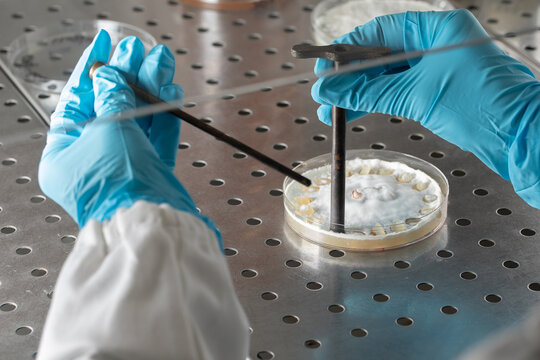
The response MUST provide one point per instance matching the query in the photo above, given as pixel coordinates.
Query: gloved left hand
(92, 169)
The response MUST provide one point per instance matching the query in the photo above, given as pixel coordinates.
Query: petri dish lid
(332, 18)
(45, 58)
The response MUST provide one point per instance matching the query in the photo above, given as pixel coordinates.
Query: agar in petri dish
(391, 200)
(44, 58)
(333, 18)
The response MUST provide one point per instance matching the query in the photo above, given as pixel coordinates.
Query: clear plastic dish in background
(332, 18)
(313, 228)
(43, 59)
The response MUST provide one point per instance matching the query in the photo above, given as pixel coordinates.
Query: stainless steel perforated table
(479, 274)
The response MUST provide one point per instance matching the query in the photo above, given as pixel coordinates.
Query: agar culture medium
(391, 200)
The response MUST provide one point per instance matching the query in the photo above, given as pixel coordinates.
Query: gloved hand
(92, 169)
(476, 97)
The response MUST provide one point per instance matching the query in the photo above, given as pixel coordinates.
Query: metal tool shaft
(219, 135)
(340, 54)
(337, 187)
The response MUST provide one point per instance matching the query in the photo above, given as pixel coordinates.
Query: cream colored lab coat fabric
(151, 283)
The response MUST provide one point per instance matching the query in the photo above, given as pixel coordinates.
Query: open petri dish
(392, 200)
(332, 18)
(45, 58)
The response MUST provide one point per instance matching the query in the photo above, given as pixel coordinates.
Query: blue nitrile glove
(92, 169)
(476, 97)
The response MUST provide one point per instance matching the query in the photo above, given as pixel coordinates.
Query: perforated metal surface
(431, 300)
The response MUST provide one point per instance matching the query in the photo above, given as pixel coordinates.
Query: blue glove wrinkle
(524, 154)
(109, 83)
(156, 70)
(349, 91)
(412, 39)
(383, 31)
(76, 101)
(152, 75)
(128, 57)
(165, 130)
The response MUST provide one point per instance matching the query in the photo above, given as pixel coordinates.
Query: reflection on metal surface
(303, 300)
(144, 110)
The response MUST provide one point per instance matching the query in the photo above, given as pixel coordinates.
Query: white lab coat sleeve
(151, 283)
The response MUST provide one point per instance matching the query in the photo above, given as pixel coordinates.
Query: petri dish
(391, 200)
(332, 18)
(44, 59)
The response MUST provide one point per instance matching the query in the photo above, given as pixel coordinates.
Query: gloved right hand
(94, 168)
(476, 97)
